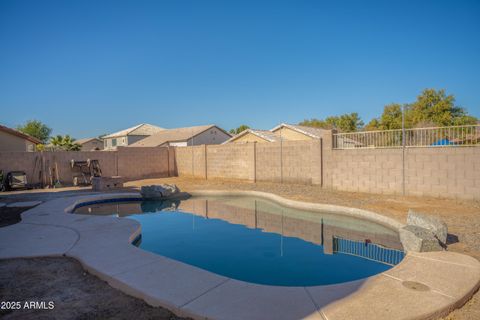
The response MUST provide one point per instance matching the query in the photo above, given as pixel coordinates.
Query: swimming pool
(260, 241)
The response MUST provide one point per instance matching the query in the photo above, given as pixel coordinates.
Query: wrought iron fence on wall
(419, 137)
(370, 251)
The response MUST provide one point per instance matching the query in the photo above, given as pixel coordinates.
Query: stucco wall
(132, 139)
(249, 137)
(92, 145)
(10, 142)
(290, 134)
(121, 141)
(210, 136)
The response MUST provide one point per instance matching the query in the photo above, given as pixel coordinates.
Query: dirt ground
(81, 299)
(75, 293)
(462, 217)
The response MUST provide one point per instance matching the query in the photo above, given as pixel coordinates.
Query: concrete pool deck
(422, 286)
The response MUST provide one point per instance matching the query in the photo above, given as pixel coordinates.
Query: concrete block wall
(146, 162)
(290, 161)
(131, 163)
(365, 170)
(268, 162)
(448, 172)
(25, 161)
(190, 161)
(452, 172)
(231, 161)
(183, 161)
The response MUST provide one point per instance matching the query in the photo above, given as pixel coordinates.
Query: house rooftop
(264, 134)
(173, 135)
(85, 140)
(143, 129)
(19, 134)
(309, 131)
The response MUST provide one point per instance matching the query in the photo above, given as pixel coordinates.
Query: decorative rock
(419, 239)
(22, 204)
(434, 224)
(159, 191)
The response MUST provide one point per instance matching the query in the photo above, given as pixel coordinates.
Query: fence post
(168, 161)
(255, 162)
(206, 165)
(321, 162)
(281, 157)
(116, 162)
(403, 149)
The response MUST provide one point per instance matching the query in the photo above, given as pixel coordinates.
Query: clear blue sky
(92, 67)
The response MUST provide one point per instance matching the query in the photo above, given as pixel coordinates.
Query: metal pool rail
(419, 137)
(367, 250)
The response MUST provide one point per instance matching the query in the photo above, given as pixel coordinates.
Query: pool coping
(103, 247)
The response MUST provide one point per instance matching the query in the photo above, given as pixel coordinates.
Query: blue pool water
(259, 241)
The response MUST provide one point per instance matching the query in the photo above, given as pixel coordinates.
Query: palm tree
(57, 142)
(70, 145)
(66, 143)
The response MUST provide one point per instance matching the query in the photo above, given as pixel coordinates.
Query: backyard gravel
(75, 293)
(83, 296)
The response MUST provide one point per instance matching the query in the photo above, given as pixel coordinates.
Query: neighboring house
(13, 140)
(90, 144)
(346, 143)
(296, 132)
(182, 137)
(253, 135)
(129, 136)
(283, 131)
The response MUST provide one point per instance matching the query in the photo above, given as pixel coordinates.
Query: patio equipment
(57, 183)
(37, 172)
(84, 171)
(15, 180)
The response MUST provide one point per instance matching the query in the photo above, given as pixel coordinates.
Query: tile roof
(85, 140)
(143, 129)
(264, 134)
(172, 135)
(309, 131)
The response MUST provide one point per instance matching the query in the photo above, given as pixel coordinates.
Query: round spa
(259, 241)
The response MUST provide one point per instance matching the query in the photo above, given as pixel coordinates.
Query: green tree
(432, 108)
(241, 128)
(348, 122)
(438, 108)
(373, 125)
(66, 143)
(36, 129)
(316, 123)
(391, 117)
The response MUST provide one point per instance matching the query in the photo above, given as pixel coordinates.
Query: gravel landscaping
(79, 295)
(75, 293)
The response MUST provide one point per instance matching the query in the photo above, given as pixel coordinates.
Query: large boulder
(161, 191)
(419, 239)
(431, 223)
